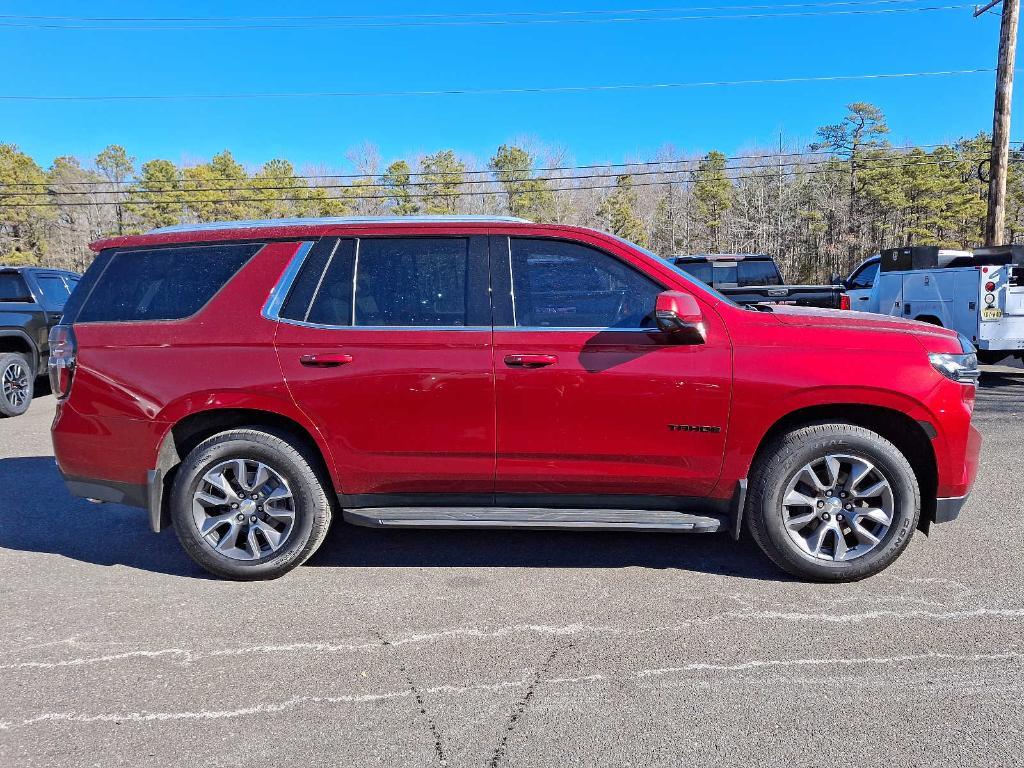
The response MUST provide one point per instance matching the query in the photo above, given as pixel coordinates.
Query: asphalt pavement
(485, 649)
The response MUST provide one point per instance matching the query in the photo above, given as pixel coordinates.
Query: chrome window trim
(278, 294)
(355, 282)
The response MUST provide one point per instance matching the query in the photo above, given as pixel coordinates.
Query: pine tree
(713, 192)
(618, 212)
(527, 197)
(442, 175)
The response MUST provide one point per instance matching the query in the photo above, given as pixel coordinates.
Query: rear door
(385, 343)
(592, 402)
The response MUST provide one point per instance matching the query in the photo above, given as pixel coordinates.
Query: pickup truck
(979, 294)
(31, 302)
(756, 279)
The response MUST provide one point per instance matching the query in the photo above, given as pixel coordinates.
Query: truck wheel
(16, 384)
(247, 504)
(833, 502)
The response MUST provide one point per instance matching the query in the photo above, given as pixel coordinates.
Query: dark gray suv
(32, 301)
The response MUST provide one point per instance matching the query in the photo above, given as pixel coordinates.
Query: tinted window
(332, 302)
(297, 305)
(13, 287)
(700, 270)
(758, 273)
(866, 277)
(163, 283)
(55, 292)
(725, 273)
(412, 281)
(558, 284)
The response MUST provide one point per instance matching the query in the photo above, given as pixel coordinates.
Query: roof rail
(322, 220)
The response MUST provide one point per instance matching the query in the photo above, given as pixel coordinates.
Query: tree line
(819, 209)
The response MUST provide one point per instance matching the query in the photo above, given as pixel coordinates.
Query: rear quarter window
(162, 283)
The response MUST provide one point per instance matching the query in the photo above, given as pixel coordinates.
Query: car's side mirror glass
(680, 317)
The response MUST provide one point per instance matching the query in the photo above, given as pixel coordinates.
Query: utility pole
(995, 221)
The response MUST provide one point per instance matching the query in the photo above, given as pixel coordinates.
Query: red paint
(503, 410)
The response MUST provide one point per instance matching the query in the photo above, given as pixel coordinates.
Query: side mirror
(836, 279)
(679, 315)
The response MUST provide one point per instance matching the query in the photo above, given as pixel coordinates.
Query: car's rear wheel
(16, 384)
(248, 504)
(833, 502)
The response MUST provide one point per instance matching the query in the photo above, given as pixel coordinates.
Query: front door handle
(325, 360)
(530, 361)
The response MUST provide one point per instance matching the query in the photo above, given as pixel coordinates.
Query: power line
(328, 24)
(790, 173)
(493, 91)
(895, 162)
(548, 169)
(476, 14)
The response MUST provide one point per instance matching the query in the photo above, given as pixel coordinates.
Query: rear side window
(162, 283)
(55, 292)
(758, 273)
(418, 281)
(13, 287)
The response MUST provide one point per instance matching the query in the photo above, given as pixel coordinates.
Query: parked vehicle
(31, 302)
(979, 294)
(757, 279)
(247, 382)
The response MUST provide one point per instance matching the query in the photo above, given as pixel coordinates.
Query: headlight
(962, 368)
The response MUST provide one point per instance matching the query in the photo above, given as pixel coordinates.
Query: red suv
(248, 381)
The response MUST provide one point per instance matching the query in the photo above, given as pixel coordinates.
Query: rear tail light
(844, 301)
(63, 352)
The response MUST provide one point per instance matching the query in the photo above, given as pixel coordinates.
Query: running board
(536, 518)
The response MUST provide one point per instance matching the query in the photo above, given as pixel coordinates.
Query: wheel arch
(911, 437)
(185, 434)
(930, 319)
(14, 340)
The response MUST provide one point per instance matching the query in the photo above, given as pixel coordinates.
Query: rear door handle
(325, 360)
(530, 361)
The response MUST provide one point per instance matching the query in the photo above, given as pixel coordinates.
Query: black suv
(31, 302)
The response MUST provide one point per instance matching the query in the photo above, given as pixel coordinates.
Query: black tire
(12, 404)
(780, 462)
(293, 462)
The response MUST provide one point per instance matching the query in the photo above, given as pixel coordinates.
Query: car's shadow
(38, 515)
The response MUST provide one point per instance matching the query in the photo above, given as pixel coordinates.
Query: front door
(594, 405)
(385, 343)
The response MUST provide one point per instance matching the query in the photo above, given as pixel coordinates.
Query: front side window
(13, 287)
(162, 283)
(415, 281)
(559, 284)
(865, 278)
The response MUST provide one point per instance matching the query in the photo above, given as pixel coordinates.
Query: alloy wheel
(838, 507)
(244, 509)
(15, 384)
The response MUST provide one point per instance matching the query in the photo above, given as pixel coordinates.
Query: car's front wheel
(833, 502)
(16, 384)
(247, 504)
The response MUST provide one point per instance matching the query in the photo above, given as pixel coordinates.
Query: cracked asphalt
(487, 649)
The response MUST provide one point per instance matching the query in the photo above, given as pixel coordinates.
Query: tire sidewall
(906, 501)
(6, 409)
(301, 481)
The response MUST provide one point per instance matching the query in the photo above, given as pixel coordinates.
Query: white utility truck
(979, 294)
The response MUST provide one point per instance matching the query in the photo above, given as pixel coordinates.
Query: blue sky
(593, 126)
